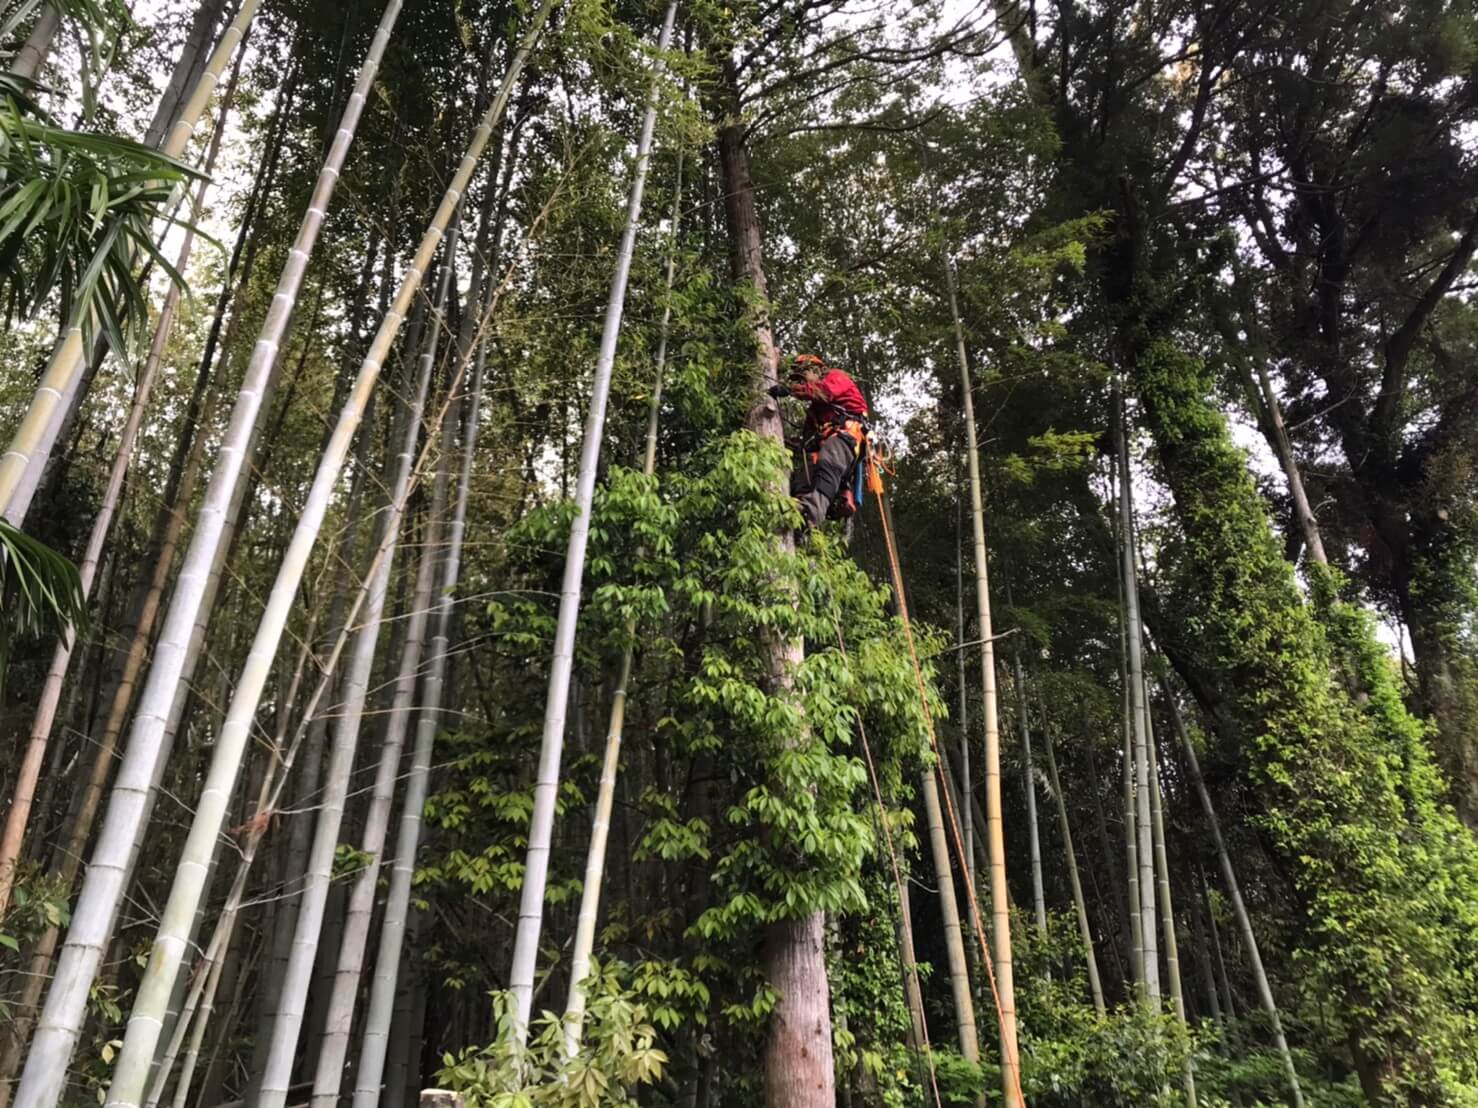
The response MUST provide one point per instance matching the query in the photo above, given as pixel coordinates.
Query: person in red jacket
(832, 440)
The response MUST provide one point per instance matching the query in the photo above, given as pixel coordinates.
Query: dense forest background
(411, 676)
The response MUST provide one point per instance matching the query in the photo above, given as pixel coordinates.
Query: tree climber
(832, 440)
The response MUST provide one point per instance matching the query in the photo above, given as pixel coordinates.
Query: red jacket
(834, 391)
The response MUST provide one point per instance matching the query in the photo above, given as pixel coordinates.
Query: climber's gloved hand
(779, 392)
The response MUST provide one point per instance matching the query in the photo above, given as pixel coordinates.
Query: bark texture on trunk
(799, 1068)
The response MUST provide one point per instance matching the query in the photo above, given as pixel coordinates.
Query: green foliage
(78, 214)
(1386, 877)
(618, 1054)
(40, 591)
(36, 903)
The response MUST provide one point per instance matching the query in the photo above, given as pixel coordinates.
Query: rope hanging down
(880, 818)
(875, 461)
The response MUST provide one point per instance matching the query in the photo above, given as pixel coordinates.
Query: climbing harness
(849, 497)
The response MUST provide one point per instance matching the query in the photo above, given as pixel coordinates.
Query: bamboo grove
(412, 675)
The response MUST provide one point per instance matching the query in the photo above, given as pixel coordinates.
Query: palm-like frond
(40, 591)
(78, 214)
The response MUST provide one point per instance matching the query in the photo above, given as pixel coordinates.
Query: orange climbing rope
(877, 462)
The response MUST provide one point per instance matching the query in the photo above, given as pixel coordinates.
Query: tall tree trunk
(278, 1067)
(967, 811)
(1139, 719)
(546, 784)
(595, 862)
(1135, 935)
(179, 488)
(797, 1057)
(954, 939)
(287, 1027)
(398, 918)
(995, 838)
(333, 1049)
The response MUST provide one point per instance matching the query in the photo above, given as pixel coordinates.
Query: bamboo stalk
(546, 785)
(333, 1047)
(51, 690)
(1139, 716)
(1167, 912)
(967, 810)
(60, 1025)
(1029, 783)
(995, 838)
(1080, 905)
(313, 899)
(589, 910)
(398, 917)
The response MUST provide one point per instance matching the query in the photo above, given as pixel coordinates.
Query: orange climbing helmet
(802, 363)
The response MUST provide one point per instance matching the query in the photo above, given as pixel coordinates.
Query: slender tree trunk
(339, 1018)
(611, 763)
(1139, 718)
(995, 838)
(69, 856)
(1223, 979)
(1208, 973)
(1034, 843)
(287, 1027)
(1167, 907)
(1303, 512)
(954, 940)
(398, 918)
(1085, 929)
(200, 1002)
(546, 784)
(798, 1060)
(34, 51)
(187, 69)
(1135, 935)
(967, 809)
(1239, 907)
(1105, 848)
